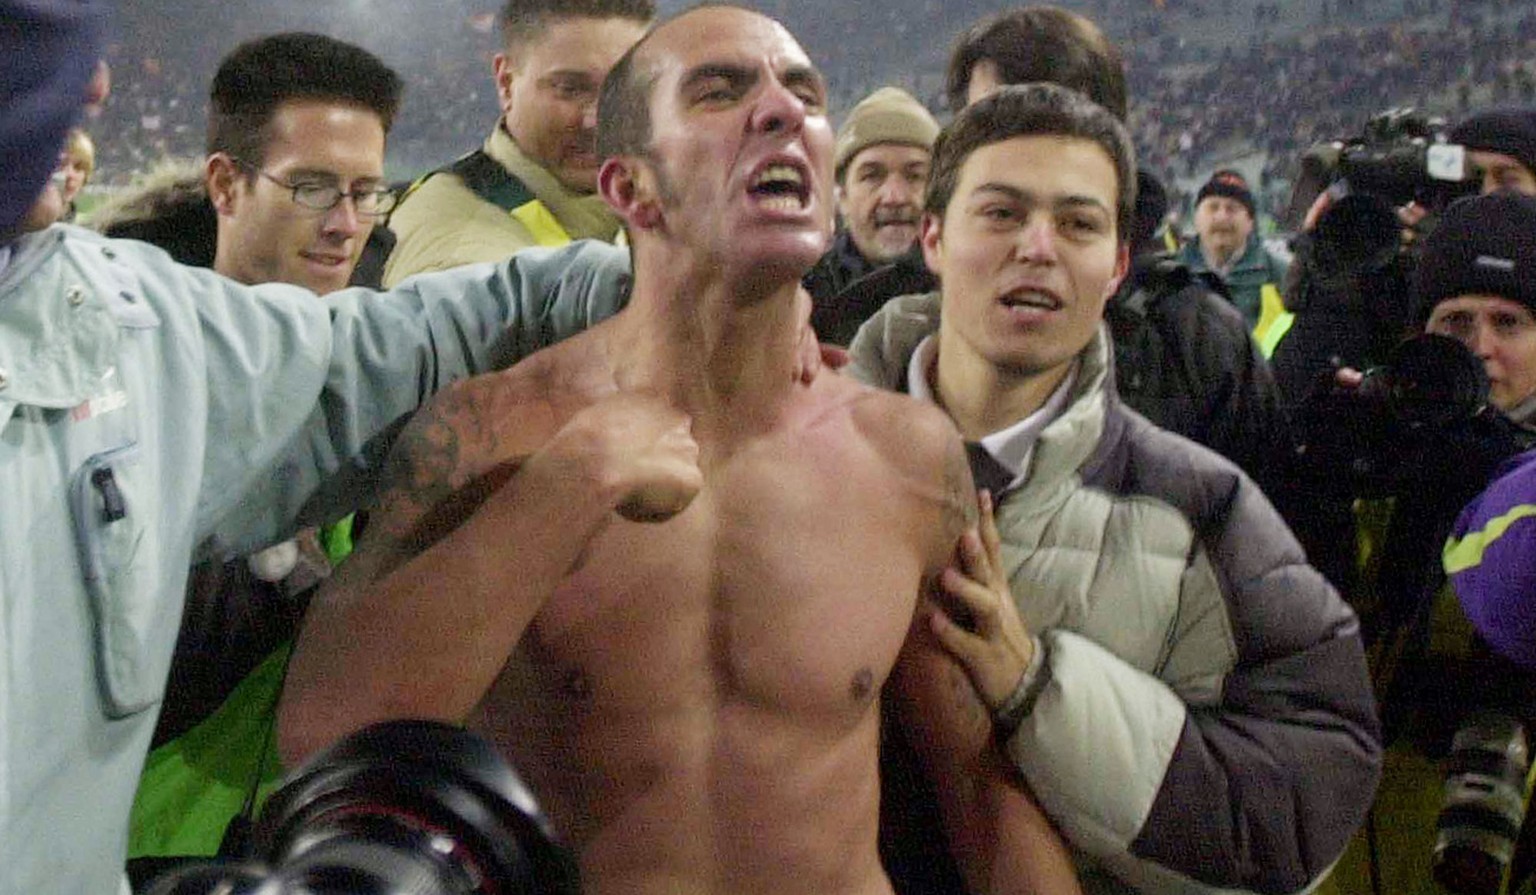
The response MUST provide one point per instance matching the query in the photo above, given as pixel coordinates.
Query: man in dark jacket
(880, 163)
(1183, 356)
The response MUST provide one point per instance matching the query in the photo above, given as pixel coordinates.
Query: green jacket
(442, 223)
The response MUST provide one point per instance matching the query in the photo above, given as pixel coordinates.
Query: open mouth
(1032, 299)
(781, 186)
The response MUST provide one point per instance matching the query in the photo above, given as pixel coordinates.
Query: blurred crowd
(1217, 80)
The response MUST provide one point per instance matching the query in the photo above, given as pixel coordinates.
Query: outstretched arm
(471, 539)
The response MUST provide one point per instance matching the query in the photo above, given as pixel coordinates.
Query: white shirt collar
(1012, 446)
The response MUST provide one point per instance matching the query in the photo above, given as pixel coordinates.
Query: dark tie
(985, 469)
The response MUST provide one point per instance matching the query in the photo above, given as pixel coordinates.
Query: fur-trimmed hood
(167, 207)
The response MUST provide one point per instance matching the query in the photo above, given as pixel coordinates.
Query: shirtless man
(679, 577)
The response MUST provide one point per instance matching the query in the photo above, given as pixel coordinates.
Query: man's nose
(1479, 340)
(778, 108)
(343, 219)
(1037, 241)
(897, 190)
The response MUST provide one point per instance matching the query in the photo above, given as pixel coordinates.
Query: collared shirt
(5, 259)
(1011, 446)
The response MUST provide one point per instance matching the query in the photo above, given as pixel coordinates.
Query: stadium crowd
(1284, 80)
(815, 455)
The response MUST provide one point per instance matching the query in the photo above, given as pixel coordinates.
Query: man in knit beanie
(1502, 143)
(1228, 246)
(1476, 281)
(880, 162)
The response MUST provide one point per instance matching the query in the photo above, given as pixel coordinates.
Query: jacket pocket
(135, 620)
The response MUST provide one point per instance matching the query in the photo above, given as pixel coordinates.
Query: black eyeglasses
(317, 195)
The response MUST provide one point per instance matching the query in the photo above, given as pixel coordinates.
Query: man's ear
(931, 236)
(222, 177)
(1122, 267)
(504, 69)
(623, 182)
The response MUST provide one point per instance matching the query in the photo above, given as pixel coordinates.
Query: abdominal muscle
(685, 736)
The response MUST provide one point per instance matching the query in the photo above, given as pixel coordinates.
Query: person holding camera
(1502, 144)
(1476, 282)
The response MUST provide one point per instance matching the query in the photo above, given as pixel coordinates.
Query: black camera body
(399, 808)
(1385, 434)
(1355, 257)
(1400, 156)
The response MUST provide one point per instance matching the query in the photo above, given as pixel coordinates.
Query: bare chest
(787, 585)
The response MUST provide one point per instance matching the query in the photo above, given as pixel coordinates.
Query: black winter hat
(1229, 183)
(1511, 132)
(1483, 245)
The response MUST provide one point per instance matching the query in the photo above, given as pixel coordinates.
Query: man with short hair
(676, 578)
(1502, 144)
(1228, 245)
(880, 164)
(145, 406)
(291, 188)
(1028, 44)
(293, 181)
(534, 181)
(1187, 698)
(295, 166)
(1183, 355)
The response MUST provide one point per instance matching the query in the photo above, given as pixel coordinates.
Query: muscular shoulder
(920, 447)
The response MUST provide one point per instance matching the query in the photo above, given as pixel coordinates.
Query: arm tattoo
(436, 477)
(421, 466)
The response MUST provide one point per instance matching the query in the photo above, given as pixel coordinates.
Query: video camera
(1401, 156)
(1355, 252)
(400, 808)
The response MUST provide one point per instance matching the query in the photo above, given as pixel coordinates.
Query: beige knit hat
(889, 115)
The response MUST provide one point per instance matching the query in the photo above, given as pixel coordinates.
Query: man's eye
(715, 91)
(998, 214)
(314, 190)
(1081, 225)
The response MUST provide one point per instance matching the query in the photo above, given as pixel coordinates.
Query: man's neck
(723, 346)
(981, 398)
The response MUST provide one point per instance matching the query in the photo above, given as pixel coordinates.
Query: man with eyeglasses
(292, 187)
(295, 167)
(146, 405)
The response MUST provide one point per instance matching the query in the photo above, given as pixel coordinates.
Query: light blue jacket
(146, 406)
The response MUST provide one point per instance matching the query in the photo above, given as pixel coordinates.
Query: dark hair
(261, 74)
(624, 102)
(522, 20)
(1040, 43)
(1033, 110)
(624, 107)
